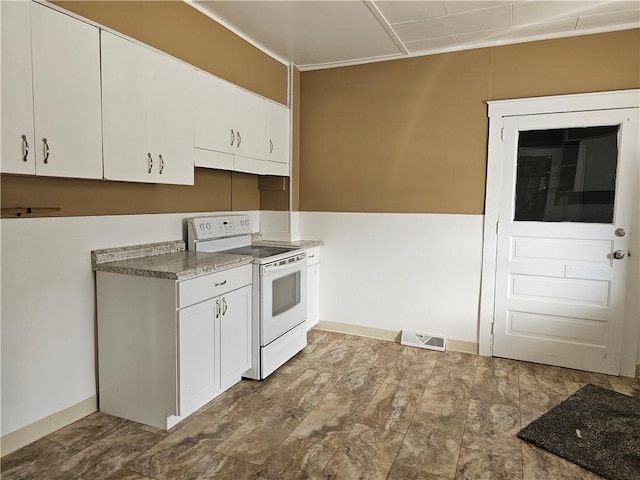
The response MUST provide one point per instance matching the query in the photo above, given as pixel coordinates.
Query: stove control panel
(205, 228)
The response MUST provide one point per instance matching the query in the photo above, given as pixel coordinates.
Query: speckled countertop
(163, 260)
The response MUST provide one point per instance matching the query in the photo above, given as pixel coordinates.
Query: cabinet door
(277, 133)
(251, 112)
(127, 83)
(17, 90)
(172, 134)
(197, 368)
(147, 126)
(66, 95)
(214, 113)
(313, 289)
(235, 335)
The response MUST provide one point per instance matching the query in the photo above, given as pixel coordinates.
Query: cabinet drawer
(202, 288)
(313, 255)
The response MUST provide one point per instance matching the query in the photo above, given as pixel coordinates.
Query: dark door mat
(595, 428)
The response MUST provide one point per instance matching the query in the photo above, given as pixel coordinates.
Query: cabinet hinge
(502, 134)
(497, 227)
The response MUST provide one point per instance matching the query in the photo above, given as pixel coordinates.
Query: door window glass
(567, 174)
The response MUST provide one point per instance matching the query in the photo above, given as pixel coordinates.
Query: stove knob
(202, 226)
(208, 226)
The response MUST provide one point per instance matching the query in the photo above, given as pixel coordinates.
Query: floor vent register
(423, 340)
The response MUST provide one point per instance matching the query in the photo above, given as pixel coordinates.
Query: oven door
(283, 302)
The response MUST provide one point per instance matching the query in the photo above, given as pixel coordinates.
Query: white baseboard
(24, 436)
(383, 334)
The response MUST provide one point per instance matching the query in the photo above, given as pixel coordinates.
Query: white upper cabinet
(277, 144)
(18, 139)
(50, 93)
(147, 125)
(214, 112)
(238, 130)
(227, 118)
(173, 124)
(250, 120)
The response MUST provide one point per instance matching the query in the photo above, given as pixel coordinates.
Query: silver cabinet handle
(46, 150)
(161, 164)
(25, 148)
(217, 284)
(218, 308)
(224, 306)
(618, 254)
(311, 256)
(270, 147)
(149, 162)
(233, 137)
(239, 140)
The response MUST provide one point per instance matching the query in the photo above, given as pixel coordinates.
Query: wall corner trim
(41, 428)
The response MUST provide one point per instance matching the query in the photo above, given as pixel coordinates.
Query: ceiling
(320, 34)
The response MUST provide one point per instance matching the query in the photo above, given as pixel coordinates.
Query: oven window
(286, 293)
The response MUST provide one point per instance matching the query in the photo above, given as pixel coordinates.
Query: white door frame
(539, 105)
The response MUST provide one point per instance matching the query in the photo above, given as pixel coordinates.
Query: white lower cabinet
(198, 365)
(313, 286)
(235, 330)
(167, 348)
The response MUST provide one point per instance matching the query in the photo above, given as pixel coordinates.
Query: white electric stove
(279, 303)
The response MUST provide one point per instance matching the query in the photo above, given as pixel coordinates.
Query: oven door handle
(273, 268)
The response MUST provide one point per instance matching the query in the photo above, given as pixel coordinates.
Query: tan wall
(214, 190)
(180, 30)
(411, 135)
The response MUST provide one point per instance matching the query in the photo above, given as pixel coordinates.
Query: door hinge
(497, 227)
(492, 328)
(502, 134)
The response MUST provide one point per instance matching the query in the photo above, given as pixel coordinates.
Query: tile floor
(346, 407)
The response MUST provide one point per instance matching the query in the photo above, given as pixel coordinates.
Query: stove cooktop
(257, 251)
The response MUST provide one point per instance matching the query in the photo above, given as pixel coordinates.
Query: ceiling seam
(373, 8)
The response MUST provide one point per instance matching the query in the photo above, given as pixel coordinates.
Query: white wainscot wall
(419, 272)
(48, 305)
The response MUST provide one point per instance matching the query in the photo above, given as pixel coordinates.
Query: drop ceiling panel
(432, 44)
(462, 6)
(308, 32)
(608, 19)
(316, 34)
(487, 19)
(403, 11)
(505, 35)
(545, 11)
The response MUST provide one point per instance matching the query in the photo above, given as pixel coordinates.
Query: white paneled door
(567, 192)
